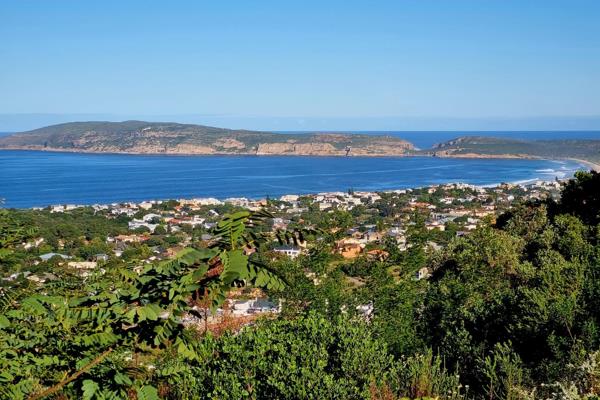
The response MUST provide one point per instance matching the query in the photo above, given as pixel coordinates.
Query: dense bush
(311, 357)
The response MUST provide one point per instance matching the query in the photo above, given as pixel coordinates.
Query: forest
(509, 311)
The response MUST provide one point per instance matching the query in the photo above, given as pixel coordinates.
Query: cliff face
(138, 137)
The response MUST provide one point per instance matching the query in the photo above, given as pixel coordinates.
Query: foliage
(513, 305)
(312, 357)
(93, 341)
(12, 232)
(581, 197)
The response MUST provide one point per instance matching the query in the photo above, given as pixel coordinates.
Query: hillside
(480, 146)
(139, 137)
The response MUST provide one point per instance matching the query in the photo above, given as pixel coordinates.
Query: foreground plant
(96, 338)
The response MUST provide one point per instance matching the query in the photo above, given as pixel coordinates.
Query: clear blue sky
(314, 65)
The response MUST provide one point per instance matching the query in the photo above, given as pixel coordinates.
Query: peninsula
(139, 137)
(584, 150)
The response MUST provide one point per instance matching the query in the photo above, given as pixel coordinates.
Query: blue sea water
(32, 178)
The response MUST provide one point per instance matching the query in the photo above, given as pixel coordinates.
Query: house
(422, 273)
(238, 201)
(378, 254)
(130, 239)
(83, 264)
(151, 217)
(435, 225)
(290, 251)
(101, 257)
(48, 256)
(210, 225)
(136, 223)
(401, 242)
(290, 198)
(146, 205)
(47, 276)
(433, 246)
(123, 210)
(34, 243)
(173, 251)
(349, 248)
(253, 306)
(193, 221)
(365, 311)
(372, 236)
(209, 201)
(206, 236)
(280, 223)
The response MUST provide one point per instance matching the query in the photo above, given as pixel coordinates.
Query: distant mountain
(483, 146)
(139, 137)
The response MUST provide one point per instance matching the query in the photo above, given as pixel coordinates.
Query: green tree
(87, 341)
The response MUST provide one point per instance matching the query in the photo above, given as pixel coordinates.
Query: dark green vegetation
(510, 311)
(110, 320)
(166, 137)
(588, 150)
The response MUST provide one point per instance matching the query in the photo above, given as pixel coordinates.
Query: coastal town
(306, 200)
(356, 227)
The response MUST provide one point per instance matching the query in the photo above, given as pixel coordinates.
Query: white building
(290, 251)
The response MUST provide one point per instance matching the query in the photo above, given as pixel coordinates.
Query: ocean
(34, 178)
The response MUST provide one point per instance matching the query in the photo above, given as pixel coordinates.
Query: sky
(305, 65)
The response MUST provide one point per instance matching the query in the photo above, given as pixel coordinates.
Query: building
(101, 257)
(423, 273)
(290, 198)
(378, 255)
(349, 248)
(48, 256)
(290, 251)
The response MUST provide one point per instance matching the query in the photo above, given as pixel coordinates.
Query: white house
(290, 251)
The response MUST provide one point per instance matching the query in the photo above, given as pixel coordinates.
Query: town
(358, 228)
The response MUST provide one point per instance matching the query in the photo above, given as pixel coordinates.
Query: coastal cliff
(139, 137)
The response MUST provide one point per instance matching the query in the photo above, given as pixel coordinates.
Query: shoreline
(251, 198)
(582, 164)
(216, 153)
(595, 167)
(592, 165)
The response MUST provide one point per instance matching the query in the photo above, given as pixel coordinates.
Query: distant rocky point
(139, 137)
(585, 150)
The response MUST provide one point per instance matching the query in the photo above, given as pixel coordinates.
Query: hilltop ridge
(140, 137)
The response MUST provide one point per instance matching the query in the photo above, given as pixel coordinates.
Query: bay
(34, 178)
